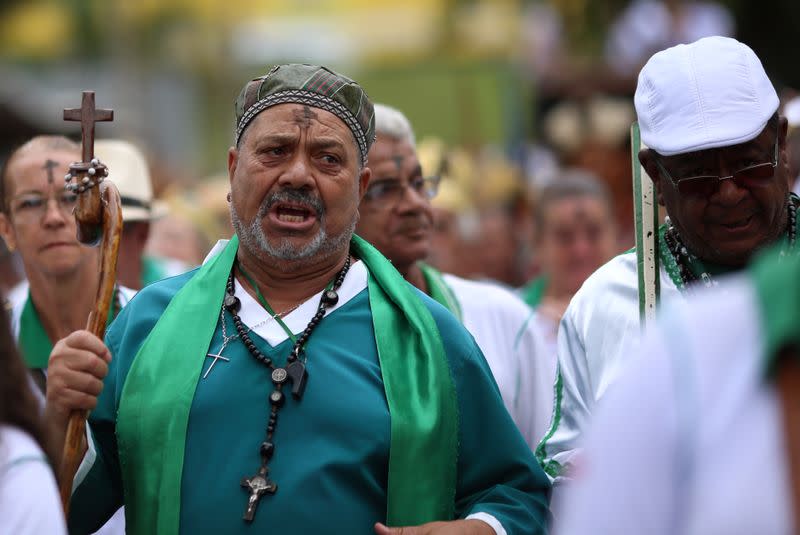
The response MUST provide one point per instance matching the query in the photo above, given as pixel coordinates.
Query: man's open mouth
(293, 213)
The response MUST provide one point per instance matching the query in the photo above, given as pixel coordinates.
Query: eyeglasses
(391, 191)
(704, 186)
(32, 206)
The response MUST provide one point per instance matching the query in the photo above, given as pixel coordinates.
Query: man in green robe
(294, 383)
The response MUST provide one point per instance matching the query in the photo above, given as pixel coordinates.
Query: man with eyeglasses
(62, 274)
(397, 218)
(716, 153)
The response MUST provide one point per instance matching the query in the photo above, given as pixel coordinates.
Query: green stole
(157, 396)
(439, 291)
(152, 270)
(33, 341)
(533, 292)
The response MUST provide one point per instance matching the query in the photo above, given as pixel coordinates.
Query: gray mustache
(293, 196)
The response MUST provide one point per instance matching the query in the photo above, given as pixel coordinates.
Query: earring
(229, 196)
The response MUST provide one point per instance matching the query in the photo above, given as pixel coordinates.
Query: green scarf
(776, 279)
(439, 290)
(157, 396)
(33, 340)
(533, 292)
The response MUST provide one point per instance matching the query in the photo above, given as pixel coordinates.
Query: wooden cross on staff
(98, 214)
(87, 114)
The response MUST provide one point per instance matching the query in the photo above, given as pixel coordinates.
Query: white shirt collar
(253, 314)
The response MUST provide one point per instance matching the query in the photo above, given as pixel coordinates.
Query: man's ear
(7, 232)
(783, 150)
(648, 160)
(363, 182)
(783, 132)
(233, 161)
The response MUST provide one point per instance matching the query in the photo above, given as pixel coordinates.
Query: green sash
(439, 290)
(777, 282)
(533, 292)
(34, 343)
(33, 340)
(157, 396)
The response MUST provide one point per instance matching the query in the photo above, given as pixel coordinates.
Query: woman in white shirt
(29, 502)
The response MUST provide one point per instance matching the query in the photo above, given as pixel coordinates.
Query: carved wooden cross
(87, 114)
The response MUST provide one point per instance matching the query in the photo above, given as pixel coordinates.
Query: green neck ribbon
(439, 290)
(533, 292)
(33, 340)
(157, 396)
(776, 279)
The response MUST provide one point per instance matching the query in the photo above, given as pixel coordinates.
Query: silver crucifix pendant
(258, 485)
(216, 357)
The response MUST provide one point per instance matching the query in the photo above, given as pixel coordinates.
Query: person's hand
(78, 364)
(455, 527)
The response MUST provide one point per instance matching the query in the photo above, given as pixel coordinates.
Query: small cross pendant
(258, 485)
(216, 357)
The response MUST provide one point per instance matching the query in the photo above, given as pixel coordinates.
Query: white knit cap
(708, 94)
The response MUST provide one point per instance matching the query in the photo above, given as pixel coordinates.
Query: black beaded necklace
(684, 259)
(294, 371)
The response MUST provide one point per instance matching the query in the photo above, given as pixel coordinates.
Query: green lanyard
(265, 304)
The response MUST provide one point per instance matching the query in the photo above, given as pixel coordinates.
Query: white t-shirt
(17, 298)
(598, 338)
(498, 320)
(29, 501)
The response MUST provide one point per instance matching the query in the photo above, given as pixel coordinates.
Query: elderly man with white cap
(708, 114)
(129, 170)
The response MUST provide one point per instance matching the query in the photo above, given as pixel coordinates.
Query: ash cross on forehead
(304, 118)
(49, 165)
(87, 114)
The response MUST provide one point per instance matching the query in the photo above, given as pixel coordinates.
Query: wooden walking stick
(98, 214)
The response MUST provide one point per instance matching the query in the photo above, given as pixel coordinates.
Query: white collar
(252, 313)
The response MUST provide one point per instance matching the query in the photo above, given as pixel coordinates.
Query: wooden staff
(98, 215)
(646, 223)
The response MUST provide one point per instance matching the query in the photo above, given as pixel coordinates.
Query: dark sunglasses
(705, 186)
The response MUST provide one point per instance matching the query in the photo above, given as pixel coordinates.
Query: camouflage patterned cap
(314, 86)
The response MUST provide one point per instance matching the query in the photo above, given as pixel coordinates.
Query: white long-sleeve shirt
(598, 337)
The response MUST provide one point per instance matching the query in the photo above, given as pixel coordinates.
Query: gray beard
(252, 236)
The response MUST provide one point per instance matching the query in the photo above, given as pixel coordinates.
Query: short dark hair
(36, 143)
